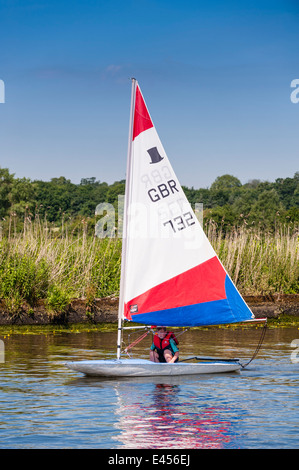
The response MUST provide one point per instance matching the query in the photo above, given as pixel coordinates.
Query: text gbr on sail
(162, 190)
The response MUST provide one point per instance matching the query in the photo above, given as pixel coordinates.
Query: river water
(45, 405)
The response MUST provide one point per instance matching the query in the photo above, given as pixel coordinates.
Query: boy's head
(161, 331)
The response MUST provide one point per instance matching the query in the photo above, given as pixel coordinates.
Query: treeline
(259, 204)
(227, 202)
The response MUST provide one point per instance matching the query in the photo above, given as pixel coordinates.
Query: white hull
(145, 368)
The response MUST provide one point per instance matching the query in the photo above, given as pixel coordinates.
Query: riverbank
(36, 264)
(105, 310)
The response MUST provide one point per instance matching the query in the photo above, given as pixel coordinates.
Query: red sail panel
(203, 283)
(142, 119)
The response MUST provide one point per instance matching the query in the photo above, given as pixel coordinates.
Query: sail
(171, 275)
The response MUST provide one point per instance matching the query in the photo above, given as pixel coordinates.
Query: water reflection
(43, 404)
(148, 413)
(160, 417)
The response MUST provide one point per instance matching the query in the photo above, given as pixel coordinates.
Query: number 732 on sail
(180, 222)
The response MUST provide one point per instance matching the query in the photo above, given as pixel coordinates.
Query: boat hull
(145, 368)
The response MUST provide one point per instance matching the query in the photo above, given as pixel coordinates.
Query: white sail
(170, 274)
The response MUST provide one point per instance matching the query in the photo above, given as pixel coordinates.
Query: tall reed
(56, 264)
(66, 265)
(259, 262)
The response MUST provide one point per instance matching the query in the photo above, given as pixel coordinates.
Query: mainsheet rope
(258, 346)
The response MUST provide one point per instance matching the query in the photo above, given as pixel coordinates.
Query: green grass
(41, 264)
(36, 265)
(259, 263)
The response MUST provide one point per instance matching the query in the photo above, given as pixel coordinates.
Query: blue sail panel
(232, 309)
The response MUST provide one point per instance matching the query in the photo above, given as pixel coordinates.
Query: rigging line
(258, 346)
(181, 332)
(136, 341)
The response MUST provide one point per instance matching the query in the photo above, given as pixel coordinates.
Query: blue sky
(215, 75)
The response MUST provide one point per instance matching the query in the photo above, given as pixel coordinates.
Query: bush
(57, 299)
(22, 279)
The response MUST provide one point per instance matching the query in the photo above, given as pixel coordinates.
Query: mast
(126, 205)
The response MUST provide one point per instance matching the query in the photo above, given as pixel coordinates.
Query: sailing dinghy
(170, 274)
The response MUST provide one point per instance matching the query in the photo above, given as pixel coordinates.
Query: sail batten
(171, 274)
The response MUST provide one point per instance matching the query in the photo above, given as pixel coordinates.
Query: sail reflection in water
(161, 420)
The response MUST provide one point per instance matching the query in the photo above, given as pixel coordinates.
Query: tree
(253, 183)
(22, 196)
(225, 182)
(85, 181)
(61, 180)
(266, 210)
(288, 190)
(6, 182)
